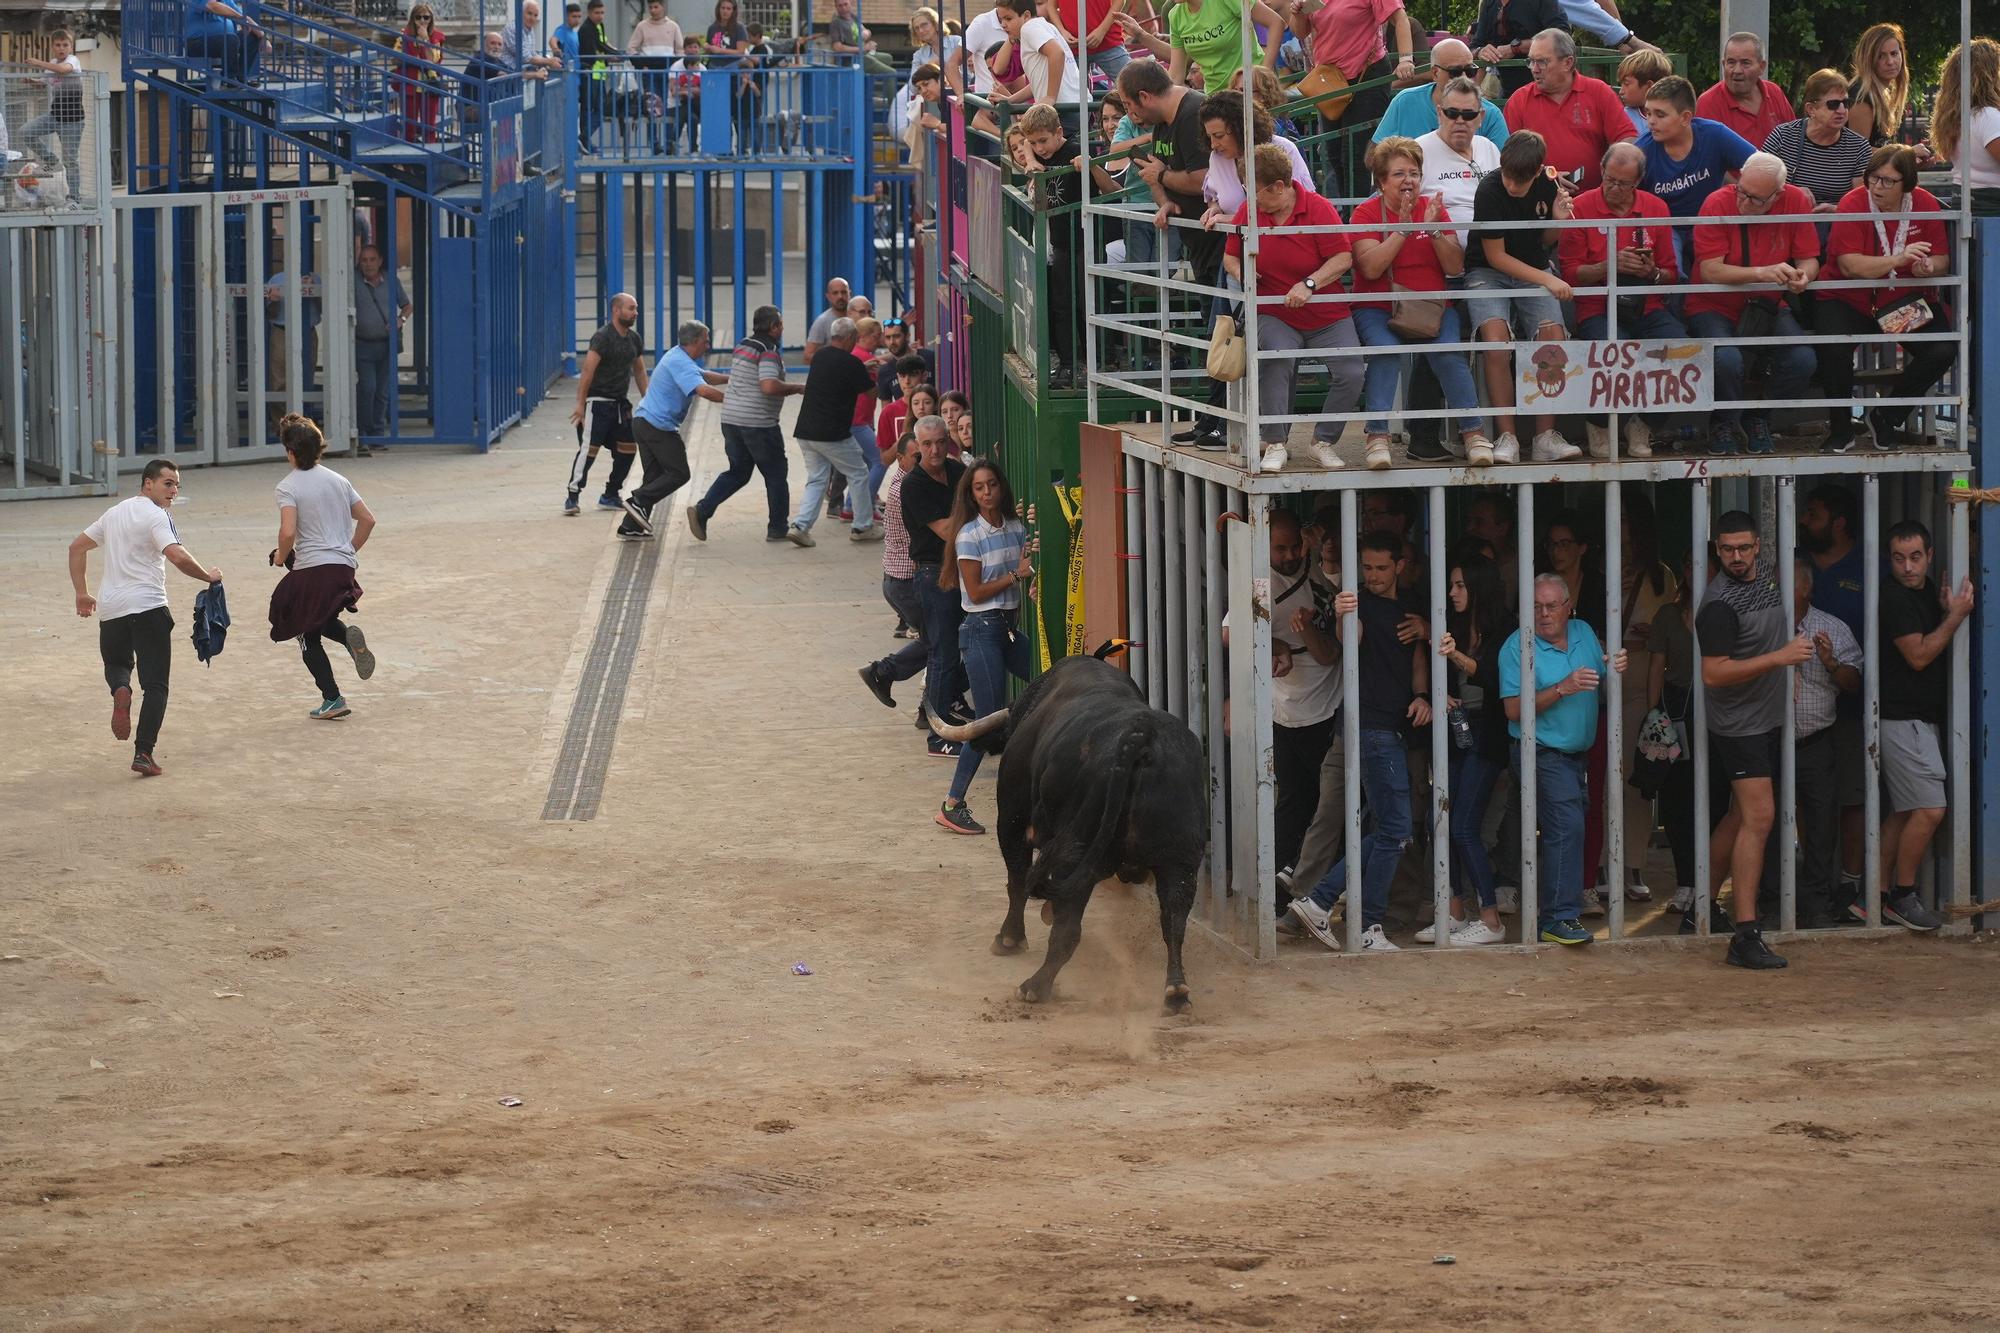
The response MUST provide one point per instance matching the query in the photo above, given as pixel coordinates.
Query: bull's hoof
(1003, 945)
(1034, 992)
(1178, 1001)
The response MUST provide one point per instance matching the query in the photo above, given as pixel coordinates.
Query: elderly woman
(1292, 273)
(1890, 228)
(1418, 261)
(1821, 155)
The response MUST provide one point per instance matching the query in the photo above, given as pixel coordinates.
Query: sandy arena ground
(1612, 1138)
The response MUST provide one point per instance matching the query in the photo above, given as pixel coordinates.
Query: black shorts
(1738, 757)
(606, 422)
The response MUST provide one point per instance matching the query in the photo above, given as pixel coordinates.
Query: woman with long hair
(1978, 157)
(1478, 625)
(322, 526)
(1878, 86)
(993, 561)
(726, 33)
(422, 48)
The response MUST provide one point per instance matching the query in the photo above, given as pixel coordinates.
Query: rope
(1962, 494)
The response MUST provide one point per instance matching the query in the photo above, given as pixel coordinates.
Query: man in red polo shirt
(1773, 259)
(1745, 100)
(1577, 115)
(1641, 244)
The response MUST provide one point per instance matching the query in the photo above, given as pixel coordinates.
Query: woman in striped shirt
(1821, 155)
(995, 561)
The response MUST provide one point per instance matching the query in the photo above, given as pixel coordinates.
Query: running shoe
(1375, 940)
(798, 536)
(636, 514)
(1747, 949)
(357, 648)
(330, 709)
(1317, 920)
(143, 765)
(121, 712)
(958, 818)
(1565, 932)
(1476, 933)
(939, 748)
(609, 501)
(1908, 911)
(570, 506)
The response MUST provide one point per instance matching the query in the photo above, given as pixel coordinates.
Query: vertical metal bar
(296, 255)
(165, 348)
(337, 320)
(1612, 797)
(1698, 718)
(739, 229)
(64, 274)
(1194, 611)
(1174, 540)
(1531, 884)
(212, 329)
(1135, 587)
(17, 421)
(1786, 830)
(1440, 795)
(255, 328)
(1959, 756)
(1216, 695)
(1262, 898)
(1350, 711)
(1871, 693)
(1253, 440)
(1155, 662)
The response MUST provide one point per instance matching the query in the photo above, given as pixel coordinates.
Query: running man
(322, 526)
(603, 413)
(138, 538)
(663, 410)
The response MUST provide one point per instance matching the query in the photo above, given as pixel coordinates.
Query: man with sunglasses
(1415, 112)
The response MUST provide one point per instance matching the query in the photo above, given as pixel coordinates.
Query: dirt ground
(260, 1012)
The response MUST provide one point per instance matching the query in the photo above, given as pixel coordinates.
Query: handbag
(1759, 317)
(1415, 318)
(1225, 351)
(1327, 86)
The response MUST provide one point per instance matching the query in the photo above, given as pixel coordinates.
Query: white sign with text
(1595, 377)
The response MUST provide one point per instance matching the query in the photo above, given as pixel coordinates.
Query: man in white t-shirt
(1456, 156)
(138, 538)
(1050, 66)
(982, 34)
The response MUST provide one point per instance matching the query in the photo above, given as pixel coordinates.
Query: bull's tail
(1135, 751)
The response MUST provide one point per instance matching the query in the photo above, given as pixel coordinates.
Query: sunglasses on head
(892, 323)
(1461, 71)
(1460, 113)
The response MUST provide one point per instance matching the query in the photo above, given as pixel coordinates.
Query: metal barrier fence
(57, 128)
(641, 108)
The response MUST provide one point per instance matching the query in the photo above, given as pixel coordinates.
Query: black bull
(1093, 783)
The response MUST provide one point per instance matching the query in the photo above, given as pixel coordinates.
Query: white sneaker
(1638, 438)
(1374, 941)
(1275, 458)
(1507, 900)
(1636, 892)
(1378, 453)
(1478, 450)
(1593, 903)
(1429, 933)
(1319, 922)
(1506, 449)
(1326, 456)
(1455, 445)
(1551, 447)
(1598, 438)
(1476, 932)
(1684, 898)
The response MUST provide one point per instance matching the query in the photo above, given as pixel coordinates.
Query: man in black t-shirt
(603, 412)
(927, 494)
(1918, 622)
(825, 432)
(1178, 166)
(1395, 677)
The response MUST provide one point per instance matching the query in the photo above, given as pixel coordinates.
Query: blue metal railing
(636, 109)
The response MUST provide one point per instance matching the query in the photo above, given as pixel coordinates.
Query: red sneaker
(143, 765)
(121, 712)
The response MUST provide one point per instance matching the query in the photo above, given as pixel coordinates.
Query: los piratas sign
(1676, 374)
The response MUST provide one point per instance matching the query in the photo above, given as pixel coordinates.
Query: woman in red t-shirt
(1295, 274)
(1418, 261)
(1889, 228)
(422, 47)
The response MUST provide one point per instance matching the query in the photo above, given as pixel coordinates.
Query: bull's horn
(972, 730)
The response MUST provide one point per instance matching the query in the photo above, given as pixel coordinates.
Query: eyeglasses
(1834, 103)
(1613, 183)
(1758, 199)
(1561, 543)
(1550, 608)
(1460, 113)
(1461, 71)
(1541, 63)
(1885, 182)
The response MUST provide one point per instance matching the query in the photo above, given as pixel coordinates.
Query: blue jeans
(375, 372)
(907, 661)
(1385, 785)
(1110, 60)
(752, 449)
(1143, 241)
(1791, 366)
(1378, 388)
(1331, 886)
(822, 457)
(993, 650)
(1473, 777)
(865, 437)
(944, 669)
(1562, 797)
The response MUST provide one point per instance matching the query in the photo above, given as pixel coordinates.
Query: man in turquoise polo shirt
(677, 381)
(1568, 661)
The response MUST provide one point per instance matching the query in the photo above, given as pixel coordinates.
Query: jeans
(1110, 60)
(822, 457)
(148, 638)
(1276, 375)
(1791, 366)
(1378, 386)
(1296, 756)
(993, 649)
(375, 370)
(1326, 834)
(665, 457)
(68, 135)
(313, 650)
(1385, 785)
(748, 449)
(1143, 241)
(1562, 784)
(944, 670)
(907, 661)
(864, 436)
(1473, 777)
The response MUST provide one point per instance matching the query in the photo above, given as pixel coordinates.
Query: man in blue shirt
(1687, 158)
(565, 39)
(1414, 111)
(677, 381)
(1568, 659)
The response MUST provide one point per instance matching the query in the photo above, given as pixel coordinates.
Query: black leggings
(1924, 364)
(314, 651)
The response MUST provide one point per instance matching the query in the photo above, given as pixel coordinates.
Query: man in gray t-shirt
(837, 295)
(752, 403)
(1747, 652)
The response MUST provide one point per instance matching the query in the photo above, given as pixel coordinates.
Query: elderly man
(751, 440)
(518, 39)
(1568, 663)
(1781, 258)
(1745, 100)
(677, 381)
(838, 294)
(1642, 250)
(1414, 112)
(1577, 115)
(927, 493)
(381, 308)
(825, 432)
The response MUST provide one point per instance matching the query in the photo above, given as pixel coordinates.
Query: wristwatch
(1309, 284)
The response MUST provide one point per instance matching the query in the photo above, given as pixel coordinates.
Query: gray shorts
(1912, 766)
(1525, 315)
(1850, 767)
